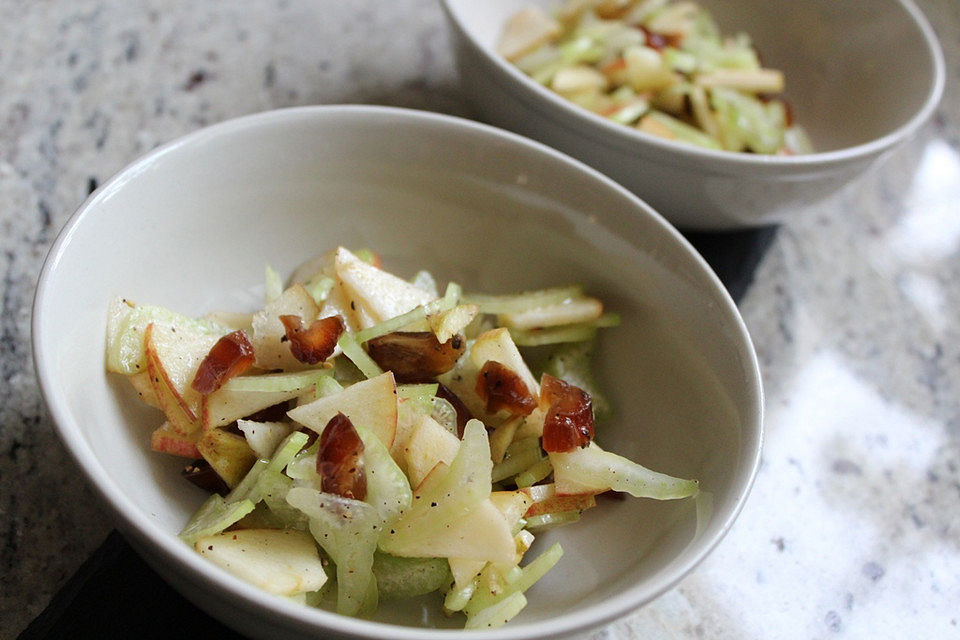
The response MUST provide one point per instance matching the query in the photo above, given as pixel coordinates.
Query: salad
(365, 438)
(661, 66)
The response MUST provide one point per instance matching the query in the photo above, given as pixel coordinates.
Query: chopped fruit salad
(661, 66)
(365, 438)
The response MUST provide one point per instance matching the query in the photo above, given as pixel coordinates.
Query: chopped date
(338, 459)
(317, 342)
(501, 388)
(568, 423)
(230, 356)
(200, 473)
(415, 356)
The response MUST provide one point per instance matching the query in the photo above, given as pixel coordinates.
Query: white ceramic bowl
(191, 225)
(861, 77)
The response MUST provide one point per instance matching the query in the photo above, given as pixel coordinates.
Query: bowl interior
(192, 225)
(855, 71)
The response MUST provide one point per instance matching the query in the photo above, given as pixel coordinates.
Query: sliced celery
(408, 577)
(534, 473)
(274, 284)
(514, 303)
(352, 349)
(576, 332)
(213, 516)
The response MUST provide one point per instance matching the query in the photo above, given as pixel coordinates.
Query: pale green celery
(213, 516)
(529, 576)
(327, 386)
(514, 464)
(534, 473)
(319, 287)
(445, 415)
(273, 487)
(388, 489)
(408, 577)
(545, 520)
(684, 132)
(630, 113)
(127, 324)
(545, 74)
(517, 302)
(746, 122)
(425, 281)
(575, 332)
(620, 38)
(274, 284)
(270, 382)
(457, 598)
(348, 531)
(417, 392)
(581, 50)
(682, 61)
(251, 487)
(539, 58)
(572, 362)
(497, 614)
(796, 140)
(592, 468)
(366, 255)
(352, 349)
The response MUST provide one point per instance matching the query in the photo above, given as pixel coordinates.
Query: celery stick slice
(319, 288)
(535, 473)
(274, 285)
(213, 516)
(457, 598)
(577, 332)
(535, 570)
(545, 520)
(408, 577)
(497, 614)
(352, 349)
(517, 302)
(512, 465)
(417, 314)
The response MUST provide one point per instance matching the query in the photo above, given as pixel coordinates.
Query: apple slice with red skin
(545, 499)
(165, 439)
(179, 413)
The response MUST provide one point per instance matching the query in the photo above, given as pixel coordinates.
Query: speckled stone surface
(853, 527)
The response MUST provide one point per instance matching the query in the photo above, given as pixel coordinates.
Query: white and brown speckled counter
(853, 526)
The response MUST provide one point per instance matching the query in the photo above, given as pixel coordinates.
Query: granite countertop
(853, 526)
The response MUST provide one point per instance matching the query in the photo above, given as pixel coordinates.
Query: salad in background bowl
(861, 77)
(192, 224)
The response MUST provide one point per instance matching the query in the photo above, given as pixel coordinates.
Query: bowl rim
(537, 96)
(183, 562)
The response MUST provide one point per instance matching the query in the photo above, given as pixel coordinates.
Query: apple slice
(245, 395)
(429, 444)
(269, 334)
(166, 439)
(144, 388)
(451, 515)
(525, 31)
(180, 415)
(378, 294)
(545, 499)
(371, 404)
(229, 455)
(263, 437)
(280, 561)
